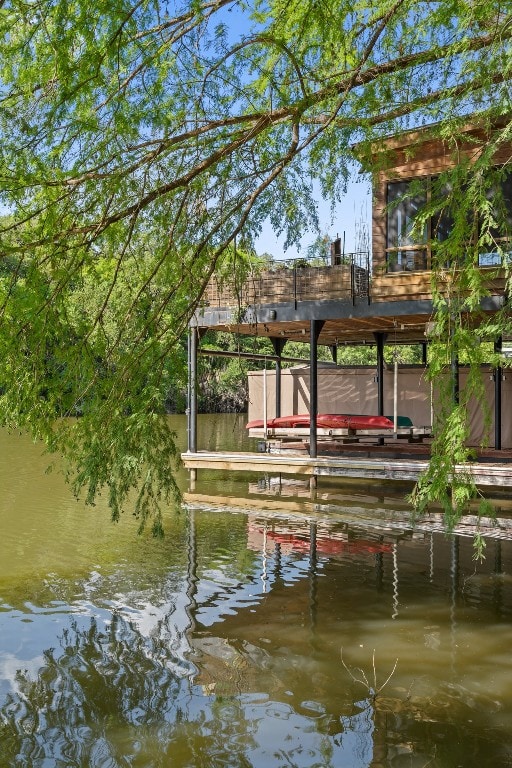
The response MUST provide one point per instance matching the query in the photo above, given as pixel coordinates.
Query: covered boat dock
(380, 298)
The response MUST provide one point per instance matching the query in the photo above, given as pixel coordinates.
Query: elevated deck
(351, 303)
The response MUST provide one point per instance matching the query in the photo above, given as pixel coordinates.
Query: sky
(352, 213)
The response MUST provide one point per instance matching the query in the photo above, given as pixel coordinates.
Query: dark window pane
(500, 195)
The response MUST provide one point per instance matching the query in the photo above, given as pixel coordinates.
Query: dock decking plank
(487, 474)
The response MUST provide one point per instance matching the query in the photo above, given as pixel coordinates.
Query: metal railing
(297, 280)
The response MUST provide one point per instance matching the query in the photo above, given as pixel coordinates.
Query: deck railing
(296, 280)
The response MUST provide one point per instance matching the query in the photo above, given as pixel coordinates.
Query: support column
(424, 353)
(395, 397)
(498, 375)
(380, 338)
(278, 345)
(192, 391)
(314, 332)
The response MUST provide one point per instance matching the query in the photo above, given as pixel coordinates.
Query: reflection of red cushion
(326, 546)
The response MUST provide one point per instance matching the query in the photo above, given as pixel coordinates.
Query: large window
(408, 245)
(502, 212)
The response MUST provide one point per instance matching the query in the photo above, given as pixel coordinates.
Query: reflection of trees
(113, 697)
(95, 700)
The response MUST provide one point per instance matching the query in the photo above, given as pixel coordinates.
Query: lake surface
(281, 630)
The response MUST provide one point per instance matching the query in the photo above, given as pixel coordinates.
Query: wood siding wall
(402, 286)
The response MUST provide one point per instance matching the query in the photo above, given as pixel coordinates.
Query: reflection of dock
(319, 583)
(408, 470)
(362, 514)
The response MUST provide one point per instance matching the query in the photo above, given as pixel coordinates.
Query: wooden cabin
(407, 169)
(365, 298)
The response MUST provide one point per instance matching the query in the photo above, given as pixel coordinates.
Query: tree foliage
(139, 139)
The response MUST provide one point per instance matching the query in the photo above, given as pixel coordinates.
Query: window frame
(407, 251)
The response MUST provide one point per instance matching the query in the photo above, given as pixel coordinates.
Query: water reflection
(98, 681)
(238, 662)
(222, 645)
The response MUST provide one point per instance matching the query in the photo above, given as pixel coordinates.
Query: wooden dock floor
(485, 473)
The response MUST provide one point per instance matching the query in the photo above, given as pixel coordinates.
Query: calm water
(294, 632)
